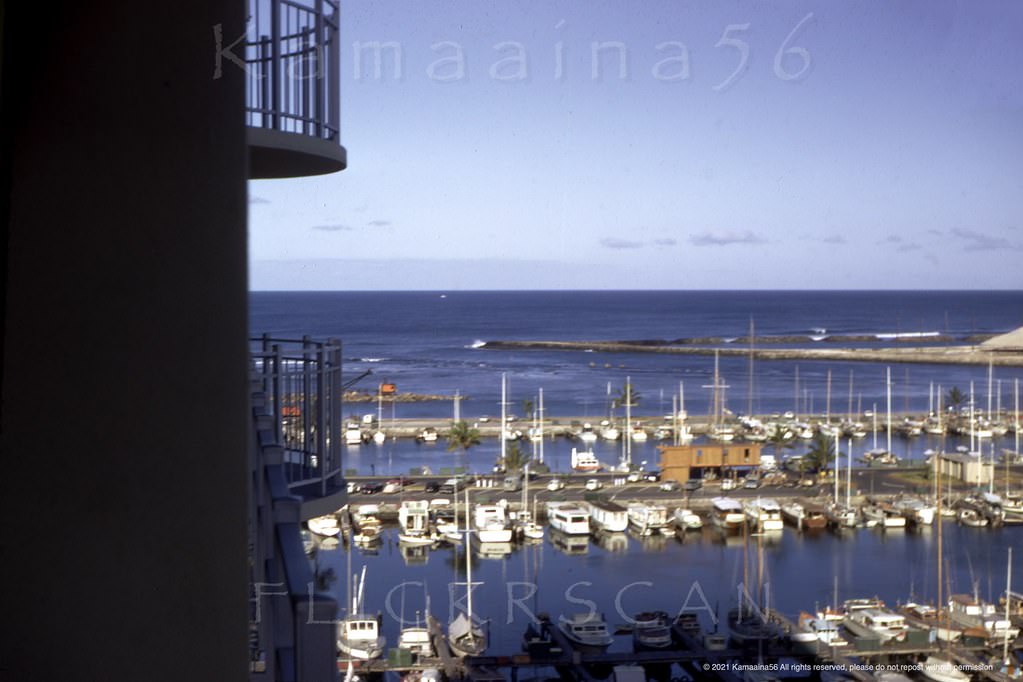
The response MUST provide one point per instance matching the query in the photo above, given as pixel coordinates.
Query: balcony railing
(295, 471)
(293, 102)
(301, 380)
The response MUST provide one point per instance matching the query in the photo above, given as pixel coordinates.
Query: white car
(728, 484)
(635, 477)
(555, 484)
(593, 484)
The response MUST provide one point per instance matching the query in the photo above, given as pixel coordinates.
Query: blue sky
(893, 158)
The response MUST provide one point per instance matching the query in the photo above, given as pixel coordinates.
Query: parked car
(728, 484)
(693, 484)
(450, 486)
(593, 484)
(670, 486)
(393, 486)
(634, 476)
(652, 476)
(431, 487)
(555, 484)
(371, 488)
(751, 483)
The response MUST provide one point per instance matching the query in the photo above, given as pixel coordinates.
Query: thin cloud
(911, 246)
(332, 228)
(892, 239)
(615, 243)
(936, 233)
(724, 238)
(834, 239)
(258, 200)
(665, 242)
(979, 241)
(379, 223)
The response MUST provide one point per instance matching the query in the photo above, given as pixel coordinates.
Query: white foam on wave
(372, 359)
(477, 344)
(906, 335)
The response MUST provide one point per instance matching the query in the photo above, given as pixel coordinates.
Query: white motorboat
(379, 437)
(939, 669)
(764, 515)
(358, 634)
(417, 640)
(840, 516)
(727, 513)
(586, 434)
(609, 517)
(824, 630)
(639, 434)
(609, 431)
(586, 632)
(490, 522)
(915, 510)
(584, 461)
(569, 518)
(366, 524)
(427, 435)
(525, 527)
(353, 434)
(968, 516)
(648, 519)
(686, 519)
(326, 525)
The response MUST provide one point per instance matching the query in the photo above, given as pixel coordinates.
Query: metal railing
(293, 55)
(301, 382)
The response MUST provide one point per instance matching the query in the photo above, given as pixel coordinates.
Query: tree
(514, 458)
(528, 407)
(462, 436)
(821, 454)
(778, 440)
(627, 396)
(955, 398)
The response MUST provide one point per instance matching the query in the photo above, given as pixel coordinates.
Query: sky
(736, 145)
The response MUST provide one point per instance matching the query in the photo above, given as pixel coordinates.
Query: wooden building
(682, 462)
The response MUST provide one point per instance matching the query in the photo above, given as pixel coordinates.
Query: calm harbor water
(424, 342)
(624, 575)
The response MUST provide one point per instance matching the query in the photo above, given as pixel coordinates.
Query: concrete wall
(124, 419)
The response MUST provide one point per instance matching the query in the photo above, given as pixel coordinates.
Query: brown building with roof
(682, 462)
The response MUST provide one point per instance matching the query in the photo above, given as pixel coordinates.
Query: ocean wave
(371, 359)
(478, 343)
(819, 331)
(905, 335)
(819, 337)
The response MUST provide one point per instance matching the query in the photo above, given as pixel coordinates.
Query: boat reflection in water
(611, 542)
(569, 544)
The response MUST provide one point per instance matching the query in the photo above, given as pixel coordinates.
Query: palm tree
(821, 454)
(528, 407)
(514, 458)
(955, 398)
(462, 436)
(779, 440)
(627, 396)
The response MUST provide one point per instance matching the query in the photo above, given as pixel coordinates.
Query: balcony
(292, 108)
(295, 474)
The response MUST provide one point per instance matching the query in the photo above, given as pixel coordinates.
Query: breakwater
(938, 355)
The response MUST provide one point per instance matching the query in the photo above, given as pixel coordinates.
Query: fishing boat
(490, 522)
(825, 630)
(686, 519)
(609, 517)
(648, 519)
(427, 435)
(651, 631)
(358, 634)
(466, 637)
(883, 515)
(727, 513)
(414, 523)
(584, 461)
(569, 518)
(587, 632)
(972, 612)
(764, 515)
(353, 434)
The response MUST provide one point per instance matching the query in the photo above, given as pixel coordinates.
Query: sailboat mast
(504, 423)
(827, 402)
(796, 406)
(749, 401)
(848, 476)
(973, 447)
(468, 561)
(1015, 410)
(1008, 613)
(541, 427)
(850, 396)
(836, 466)
(888, 385)
(937, 483)
(628, 421)
(990, 384)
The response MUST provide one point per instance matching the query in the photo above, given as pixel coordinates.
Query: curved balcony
(293, 101)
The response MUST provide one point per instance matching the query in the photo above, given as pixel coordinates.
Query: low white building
(965, 467)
